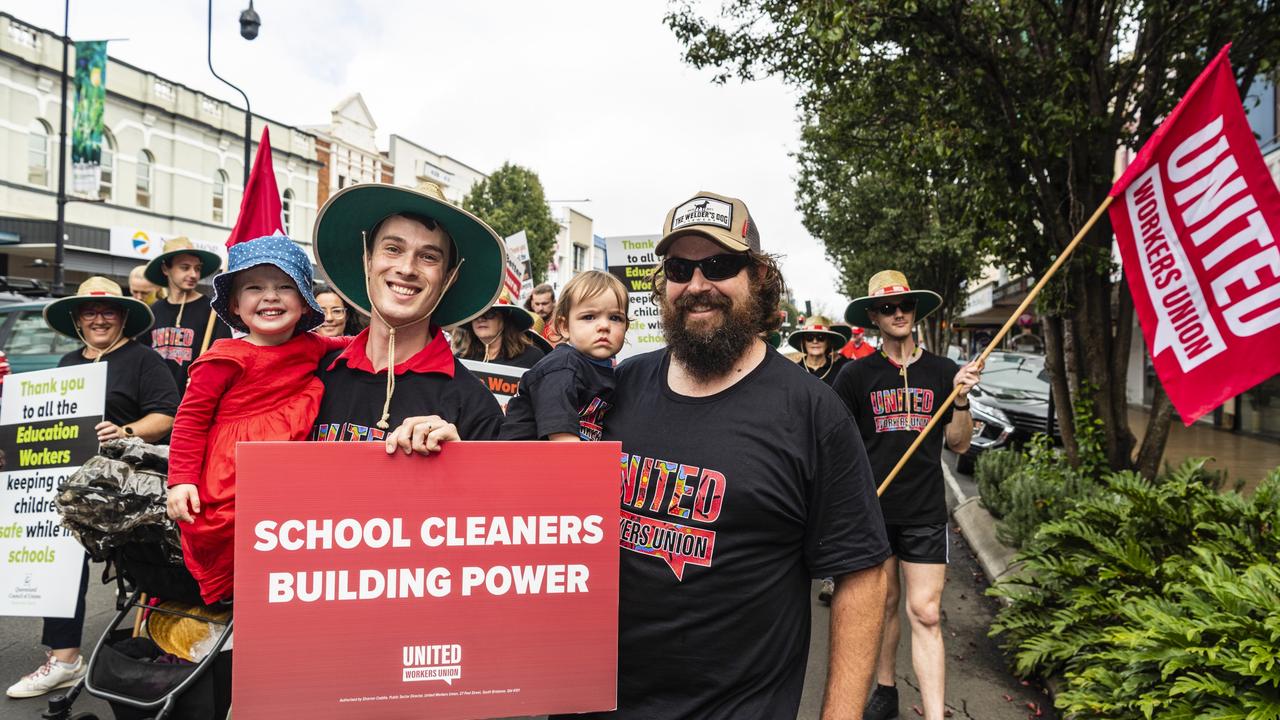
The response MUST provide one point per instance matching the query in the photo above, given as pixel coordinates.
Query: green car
(27, 341)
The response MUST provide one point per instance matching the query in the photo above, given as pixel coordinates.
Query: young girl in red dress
(258, 387)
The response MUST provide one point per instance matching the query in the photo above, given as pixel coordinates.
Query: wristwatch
(128, 430)
(958, 406)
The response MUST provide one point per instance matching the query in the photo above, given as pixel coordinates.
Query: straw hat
(60, 315)
(535, 335)
(890, 285)
(351, 213)
(181, 246)
(512, 314)
(188, 638)
(819, 326)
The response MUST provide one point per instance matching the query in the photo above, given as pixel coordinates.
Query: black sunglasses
(714, 268)
(885, 308)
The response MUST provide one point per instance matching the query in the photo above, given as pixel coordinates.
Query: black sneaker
(883, 704)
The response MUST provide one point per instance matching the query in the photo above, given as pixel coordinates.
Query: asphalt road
(977, 679)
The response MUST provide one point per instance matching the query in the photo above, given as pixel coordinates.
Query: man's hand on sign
(421, 434)
(183, 502)
(108, 431)
(968, 376)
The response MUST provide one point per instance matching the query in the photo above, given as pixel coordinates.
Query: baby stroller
(115, 506)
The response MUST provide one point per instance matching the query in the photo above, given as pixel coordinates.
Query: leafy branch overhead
(511, 199)
(1004, 119)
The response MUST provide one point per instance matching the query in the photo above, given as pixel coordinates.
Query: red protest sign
(1196, 217)
(480, 582)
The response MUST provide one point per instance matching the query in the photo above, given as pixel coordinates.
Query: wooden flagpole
(1026, 303)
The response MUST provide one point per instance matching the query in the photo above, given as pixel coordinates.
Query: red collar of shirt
(436, 357)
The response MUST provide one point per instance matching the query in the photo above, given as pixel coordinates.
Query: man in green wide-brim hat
(413, 262)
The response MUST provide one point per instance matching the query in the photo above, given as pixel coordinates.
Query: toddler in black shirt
(565, 395)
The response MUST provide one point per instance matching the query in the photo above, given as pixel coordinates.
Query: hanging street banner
(519, 276)
(46, 433)
(86, 130)
(502, 380)
(1196, 217)
(479, 582)
(631, 260)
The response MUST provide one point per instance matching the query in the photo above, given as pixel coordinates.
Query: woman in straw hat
(819, 343)
(499, 335)
(414, 263)
(891, 395)
(141, 400)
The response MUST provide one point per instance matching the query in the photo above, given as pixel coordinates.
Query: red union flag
(1196, 216)
(261, 212)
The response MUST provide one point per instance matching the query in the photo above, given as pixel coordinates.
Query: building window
(23, 35)
(163, 90)
(107, 175)
(579, 259)
(220, 197)
(38, 154)
(144, 178)
(286, 212)
(342, 181)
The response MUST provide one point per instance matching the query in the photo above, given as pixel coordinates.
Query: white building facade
(415, 164)
(172, 165)
(575, 249)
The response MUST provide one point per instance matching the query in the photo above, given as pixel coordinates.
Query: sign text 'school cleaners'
(367, 584)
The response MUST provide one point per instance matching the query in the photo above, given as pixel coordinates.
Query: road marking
(952, 483)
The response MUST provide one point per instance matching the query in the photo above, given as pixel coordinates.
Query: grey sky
(591, 95)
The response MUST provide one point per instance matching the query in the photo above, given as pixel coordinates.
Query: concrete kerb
(995, 558)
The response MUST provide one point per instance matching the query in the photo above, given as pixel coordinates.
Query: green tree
(511, 199)
(1025, 105)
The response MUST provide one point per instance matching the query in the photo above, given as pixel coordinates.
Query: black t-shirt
(526, 359)
(179, 345)
(564, 393)
(890, 419)
(829, 371)
(138, 383)
(353, 399)
(730, 504)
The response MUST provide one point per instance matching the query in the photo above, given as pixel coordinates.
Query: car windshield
(1022, 374)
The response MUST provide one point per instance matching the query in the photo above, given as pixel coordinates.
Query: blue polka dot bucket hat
(277, 250)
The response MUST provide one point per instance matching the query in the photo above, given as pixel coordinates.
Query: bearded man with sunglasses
(891, 395)
(742, 479)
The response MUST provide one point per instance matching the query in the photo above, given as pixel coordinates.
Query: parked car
(28, 343)
(1015, 391)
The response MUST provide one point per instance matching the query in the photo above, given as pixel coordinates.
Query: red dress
(238, 392)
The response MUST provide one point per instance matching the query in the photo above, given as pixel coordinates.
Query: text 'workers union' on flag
(86, 130)
(1196, 217)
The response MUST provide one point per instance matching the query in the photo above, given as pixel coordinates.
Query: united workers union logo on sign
(432, 662)
(141, 243)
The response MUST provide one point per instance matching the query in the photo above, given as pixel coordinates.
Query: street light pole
(60, 225)
(248, 30)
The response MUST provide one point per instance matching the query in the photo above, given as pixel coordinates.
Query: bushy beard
(707, 351)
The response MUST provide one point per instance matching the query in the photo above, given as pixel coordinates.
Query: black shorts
(920, 543)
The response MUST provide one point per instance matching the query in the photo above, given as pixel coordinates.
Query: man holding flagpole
(891, 395)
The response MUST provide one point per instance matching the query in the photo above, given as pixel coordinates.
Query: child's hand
(421, 434)
(180, 498)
